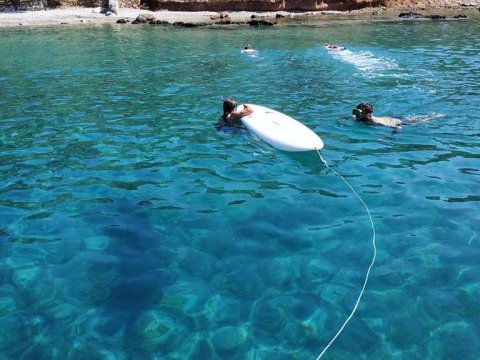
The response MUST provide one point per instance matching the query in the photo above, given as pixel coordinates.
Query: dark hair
(366, 108)
(363, 112)
(229, 105)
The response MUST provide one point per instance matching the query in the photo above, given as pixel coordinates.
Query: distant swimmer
(332, 47)
(249, 51)
(364, 113)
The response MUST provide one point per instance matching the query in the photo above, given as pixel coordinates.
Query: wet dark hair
(363, 112)
(229, 105)
(366, 108)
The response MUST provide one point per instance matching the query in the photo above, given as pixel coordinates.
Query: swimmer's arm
(237, 115)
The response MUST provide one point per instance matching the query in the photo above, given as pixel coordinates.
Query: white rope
(369, 268)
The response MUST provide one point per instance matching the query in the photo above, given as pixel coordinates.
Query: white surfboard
(281, 131)
(250, 52)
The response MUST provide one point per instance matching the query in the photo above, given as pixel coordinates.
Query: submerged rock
(43, 351)
(184, 297)
(63, 311)
(24, 278)
(85, 350)
(402, 331)
(197, 263)
(154, 330)
(195, 347)
(228, 338)
(454, 340)
(359, 338)
(97, 243)
(244, 282)
(269, 317)
(7, 306)
(221, 309)
(280, 273)
(43, 294)
(12, 332)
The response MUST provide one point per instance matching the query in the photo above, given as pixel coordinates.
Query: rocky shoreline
(400, 11)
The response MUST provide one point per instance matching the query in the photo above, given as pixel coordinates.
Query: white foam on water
(251, 53)
(420, 119)
(366, 61)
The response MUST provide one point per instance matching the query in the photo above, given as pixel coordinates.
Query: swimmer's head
(229, 105)
(363, 112)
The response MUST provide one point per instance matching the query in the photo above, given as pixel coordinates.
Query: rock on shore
(431, 4)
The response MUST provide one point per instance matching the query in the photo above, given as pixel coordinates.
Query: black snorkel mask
(357, 112)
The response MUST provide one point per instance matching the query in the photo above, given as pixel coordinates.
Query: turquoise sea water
(131, 229)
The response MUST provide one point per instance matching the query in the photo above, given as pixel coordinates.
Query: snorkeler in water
(232, 113)
(333, 47)
(364, 113)
(249, 51)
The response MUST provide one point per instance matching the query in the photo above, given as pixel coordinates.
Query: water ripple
(133, 228)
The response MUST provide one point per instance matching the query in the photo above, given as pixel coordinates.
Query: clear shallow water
(131, 229)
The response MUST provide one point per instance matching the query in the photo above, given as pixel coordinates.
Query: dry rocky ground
(82, 15)
(432, 4)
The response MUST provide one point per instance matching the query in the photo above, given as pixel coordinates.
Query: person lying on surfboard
(333, 47)
(249, 51)
(231, 114)
(364, 113)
